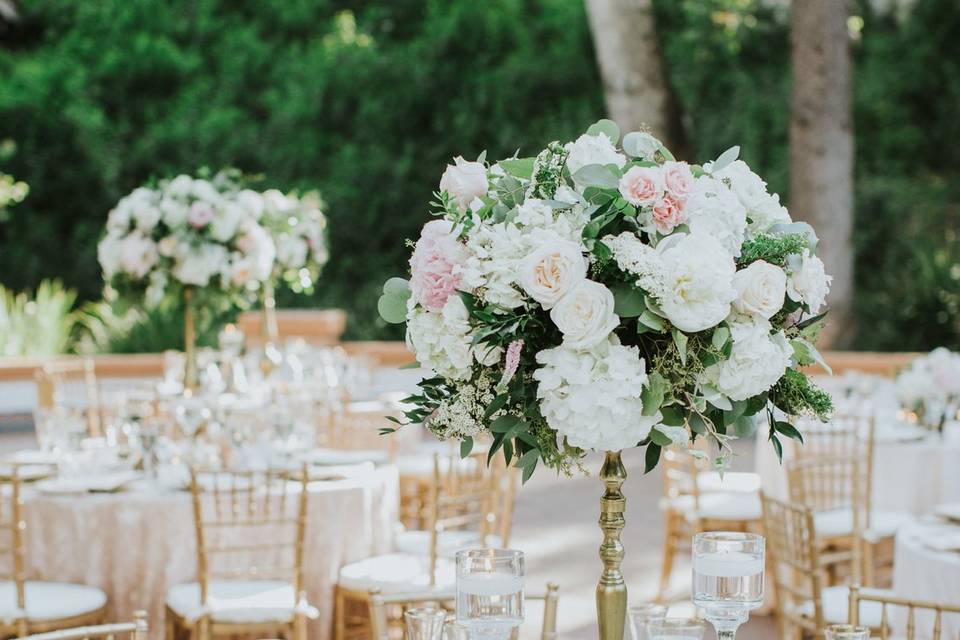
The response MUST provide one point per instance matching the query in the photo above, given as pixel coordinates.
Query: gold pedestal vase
(270, 331)
(612, 590)
(191, 378)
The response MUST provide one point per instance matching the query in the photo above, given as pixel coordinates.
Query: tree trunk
(634, 82)
(821, 149)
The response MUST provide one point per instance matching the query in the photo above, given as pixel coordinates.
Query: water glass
(675, 629)
(727, 578)
(453, 630)
(641, 615)
(425, 624)
(847, 632)
(490, 591)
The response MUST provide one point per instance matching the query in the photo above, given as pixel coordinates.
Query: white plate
(70, 485)
(950, 511)
(899, 432)
(325, 457)
(30, 456)
(29, 472)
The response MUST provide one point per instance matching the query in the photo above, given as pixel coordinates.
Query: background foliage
(368, 100)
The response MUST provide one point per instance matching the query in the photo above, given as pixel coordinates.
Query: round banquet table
(923, 573)
(911, 477)
(136, 544)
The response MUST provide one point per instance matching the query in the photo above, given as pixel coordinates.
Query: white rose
(108, 254)
(697, 281)
(226, 222)
(180, 186)
(808, 281)
(291, 251)
(760, 289)
(251, 202)
(714, 210)
(763, 208)
(138, 254)
(585, 315)
(174, 213)
(551, 271)
(196, 266)
(464, 181)
(203, 190)
(757, 361)
(596, 149)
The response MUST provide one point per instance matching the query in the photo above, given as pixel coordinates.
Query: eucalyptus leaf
(627, 300)
(608, 128)
(745, 426)
(596, 175)
(466, 446)
(635, 143)
(518, 167)
(653, 393)
(720, 337)
(392, 309)
(652, 321)
(725, 159)
(680, 339)
(675, 435)
(396, 287)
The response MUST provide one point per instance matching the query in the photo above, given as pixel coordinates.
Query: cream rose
(585, 315)
(642, 186)
(464, 181)
(552, 271)
(809, 282)
(760, 289)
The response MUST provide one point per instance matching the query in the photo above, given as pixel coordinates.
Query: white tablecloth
(136, 544)
(922, 573)
(907, 476)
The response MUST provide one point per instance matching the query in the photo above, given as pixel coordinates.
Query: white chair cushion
(839, 522)
(739, 507)
(396, 573)
(736, 481)
(417, 542)
(836, 608)
(50, 600)
(238, 601)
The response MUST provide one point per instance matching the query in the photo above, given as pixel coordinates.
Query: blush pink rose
(642, 186)
(678, 178)
(201, 214)
(435, 265)
(668, 213)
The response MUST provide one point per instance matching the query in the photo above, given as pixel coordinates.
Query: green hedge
(368, 100)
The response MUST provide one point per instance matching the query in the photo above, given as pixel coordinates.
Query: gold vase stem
(271, 331)
(190, 377)
(612, 591)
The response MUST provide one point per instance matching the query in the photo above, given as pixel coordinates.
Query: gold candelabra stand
(271, 332)
(612, 590)
(191, 379)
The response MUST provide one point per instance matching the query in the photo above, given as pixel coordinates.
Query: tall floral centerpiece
(196, 239)
(929, 387)
(600, 297)
(299, 231)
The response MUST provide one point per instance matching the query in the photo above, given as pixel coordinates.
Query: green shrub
(39, 324)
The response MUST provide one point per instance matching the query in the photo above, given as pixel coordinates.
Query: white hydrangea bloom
(593, 397)
(440, 339)
(589, 149)
(197, 265)
(713, 209)
(758, 360)
(807, 280)
(763, 208)
(698, 282)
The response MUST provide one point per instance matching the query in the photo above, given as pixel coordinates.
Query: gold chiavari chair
(136, 630)
(250, 531)
(798, 567)
(28, 606)
(833, 475)
(466, 508)
(386, 611)
(59, 378)
(931, 612)
(692, 505)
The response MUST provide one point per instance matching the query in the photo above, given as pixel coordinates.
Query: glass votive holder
(847, 632)
(676, 629)
(639, 616)
(453, 630)
(425, 623)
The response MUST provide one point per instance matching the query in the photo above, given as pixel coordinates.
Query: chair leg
(170, 630)
(338, 615)
(300, 627)
(868, 563)
(669, 551)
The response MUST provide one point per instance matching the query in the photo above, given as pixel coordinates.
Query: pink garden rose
(641, 186)
(435, 264)
(201, 214)
(678, 178)
(668, 213)
(464, 181)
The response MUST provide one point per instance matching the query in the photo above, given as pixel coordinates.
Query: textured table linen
(923, 573)
(912, 477)
(136, 544)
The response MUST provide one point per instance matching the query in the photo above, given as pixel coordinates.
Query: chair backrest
(681, 469)
(846, 436)
(249, 525)
(58, 379)
(465, 494)
(931, 612)
(794, 560)
(12, 526)
(136, 630)
(380, 606)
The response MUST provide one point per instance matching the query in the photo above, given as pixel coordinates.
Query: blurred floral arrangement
(214, 235)
(596, 297)
(12, 190)
(930, 387)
